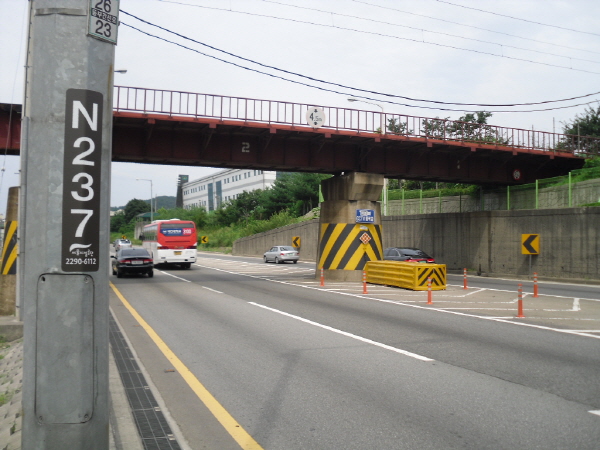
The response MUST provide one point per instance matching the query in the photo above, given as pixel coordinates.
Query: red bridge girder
(149, 128)
(159, 139)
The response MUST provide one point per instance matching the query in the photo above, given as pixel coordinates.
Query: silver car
(122, 243)
(282, 253)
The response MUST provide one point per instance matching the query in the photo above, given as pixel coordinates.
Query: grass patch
(6, 397)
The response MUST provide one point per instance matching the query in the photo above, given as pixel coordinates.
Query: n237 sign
(81, 182)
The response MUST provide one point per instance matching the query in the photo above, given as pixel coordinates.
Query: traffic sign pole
(64, 250)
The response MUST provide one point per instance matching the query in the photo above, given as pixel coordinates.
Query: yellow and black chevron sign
(340, 246)
(436, 272)
(9, 252)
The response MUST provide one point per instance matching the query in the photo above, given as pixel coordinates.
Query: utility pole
(64, 252)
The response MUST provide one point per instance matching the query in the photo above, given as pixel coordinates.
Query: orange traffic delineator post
(465, 278)
(535, 285)
(520, 304)
(429, 302)
(365, 282)
(322, 277)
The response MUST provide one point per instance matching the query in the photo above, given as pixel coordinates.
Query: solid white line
(457, 313)
(480, 309)
(171, 275)
(597, 412)
(214, 290)
(345, 333)
(586, 331)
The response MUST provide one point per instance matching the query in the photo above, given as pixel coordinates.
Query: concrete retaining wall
(257, 244)
(488, 242)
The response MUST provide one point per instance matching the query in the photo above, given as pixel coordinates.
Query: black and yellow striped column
(9, 251)
(350, 225)
(341, 247)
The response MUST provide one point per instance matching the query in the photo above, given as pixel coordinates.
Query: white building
(212, 191)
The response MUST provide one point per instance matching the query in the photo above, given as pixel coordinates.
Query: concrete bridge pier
(8, 265)
(350, 225)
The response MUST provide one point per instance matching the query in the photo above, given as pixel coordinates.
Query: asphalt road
(299, 367)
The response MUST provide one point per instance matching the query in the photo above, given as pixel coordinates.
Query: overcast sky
(461, 51)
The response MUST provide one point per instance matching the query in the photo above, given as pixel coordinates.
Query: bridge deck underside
(163, 139)
(231, 144)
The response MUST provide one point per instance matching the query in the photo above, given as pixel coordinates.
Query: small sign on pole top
(103, 21)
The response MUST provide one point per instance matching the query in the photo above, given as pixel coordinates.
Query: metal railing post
(345, 119)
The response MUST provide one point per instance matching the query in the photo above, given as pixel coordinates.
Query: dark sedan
(132, 261)
(406, 254)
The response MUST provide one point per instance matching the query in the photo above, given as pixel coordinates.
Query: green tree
(197, 214)
(135, 207)
(435, 128)
(116, 222)
(398, 127)
(304, 189)
(393, 183)
(474, 127)
(587, 124)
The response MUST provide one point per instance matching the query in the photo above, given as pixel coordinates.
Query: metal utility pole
(64, 253)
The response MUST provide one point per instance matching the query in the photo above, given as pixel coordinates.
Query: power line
(333, 91)
(350, 87)
(422, 41)
(433, 32)
(476, 27)
(518, 18)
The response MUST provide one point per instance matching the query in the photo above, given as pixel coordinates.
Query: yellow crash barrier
(407, 275)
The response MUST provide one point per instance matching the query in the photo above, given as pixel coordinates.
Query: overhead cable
(518, 18)
(334, 91)
(353, 88)
(569, 57)
(474, 27)
(422, 41)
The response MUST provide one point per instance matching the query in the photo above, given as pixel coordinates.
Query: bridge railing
(179, 103)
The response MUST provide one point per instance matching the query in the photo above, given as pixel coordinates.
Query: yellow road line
(241, 436)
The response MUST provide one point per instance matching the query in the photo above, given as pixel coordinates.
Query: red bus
(171, 241)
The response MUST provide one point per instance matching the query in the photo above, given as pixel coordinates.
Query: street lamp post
(382, 121)
(151, 213)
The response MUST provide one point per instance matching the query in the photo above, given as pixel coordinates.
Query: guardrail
(221, 107)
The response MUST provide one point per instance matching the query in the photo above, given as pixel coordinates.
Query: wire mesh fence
(579, 188)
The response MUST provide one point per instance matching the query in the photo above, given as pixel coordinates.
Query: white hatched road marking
(509, 320)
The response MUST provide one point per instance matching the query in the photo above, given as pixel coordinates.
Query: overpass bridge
(182, 128)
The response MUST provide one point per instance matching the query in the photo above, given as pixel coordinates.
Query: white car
(282, 253)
